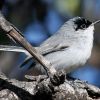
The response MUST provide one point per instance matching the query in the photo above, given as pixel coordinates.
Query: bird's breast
(72, 57)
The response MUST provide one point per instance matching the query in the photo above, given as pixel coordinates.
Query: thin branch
(13, 49)
(17, 36)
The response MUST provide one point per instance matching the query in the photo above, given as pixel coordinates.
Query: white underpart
(76, 55)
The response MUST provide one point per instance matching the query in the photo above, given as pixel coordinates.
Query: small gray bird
(69, 48)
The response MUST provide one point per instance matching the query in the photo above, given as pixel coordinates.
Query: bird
(68, 49)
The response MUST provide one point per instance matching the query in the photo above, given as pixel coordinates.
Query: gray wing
(52, 48)
(55, 43)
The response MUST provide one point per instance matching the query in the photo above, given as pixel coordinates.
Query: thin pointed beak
(95, 22)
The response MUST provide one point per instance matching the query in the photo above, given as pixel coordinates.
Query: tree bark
(12, 89)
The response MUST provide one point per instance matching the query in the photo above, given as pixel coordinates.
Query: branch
(17, 36)
(12, 89)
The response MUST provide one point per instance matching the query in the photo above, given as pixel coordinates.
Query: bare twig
(14, 34)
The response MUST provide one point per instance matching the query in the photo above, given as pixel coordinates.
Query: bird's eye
(83, 26)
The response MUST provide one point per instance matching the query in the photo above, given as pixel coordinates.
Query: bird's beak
(95, 22)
